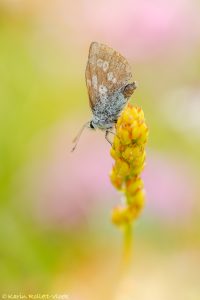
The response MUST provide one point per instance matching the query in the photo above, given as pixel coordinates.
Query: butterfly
(107, 78)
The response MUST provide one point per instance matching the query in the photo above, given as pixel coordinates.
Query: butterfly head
(129, 89)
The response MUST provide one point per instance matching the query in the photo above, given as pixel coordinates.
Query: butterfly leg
(109, 131)
(106, 136)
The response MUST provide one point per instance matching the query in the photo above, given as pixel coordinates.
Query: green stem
(127, 247)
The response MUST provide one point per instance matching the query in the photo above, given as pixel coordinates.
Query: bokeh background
(55, 231)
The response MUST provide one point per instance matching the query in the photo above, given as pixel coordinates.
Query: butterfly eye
(91, 125)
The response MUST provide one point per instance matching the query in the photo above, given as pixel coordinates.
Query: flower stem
(127, 247)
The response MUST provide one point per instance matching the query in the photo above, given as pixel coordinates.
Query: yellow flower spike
(127, 117)
(133, 185)
(136, 170)
(128, 152)
(140, 113)
(116, 180)
(136, 132)
(139, 160)
(116, 143)
(123, 215)
(143, 138)
(132, 152)
(139, 199)
(123, 135)
(136, 200)
(113, 153)
(122, 168)
(143, 129)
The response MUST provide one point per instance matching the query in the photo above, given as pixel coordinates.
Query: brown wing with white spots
(106, 71)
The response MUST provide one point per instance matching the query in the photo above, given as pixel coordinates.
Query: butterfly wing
(106, 72)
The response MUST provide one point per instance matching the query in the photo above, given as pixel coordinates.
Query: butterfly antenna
(76, 139)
